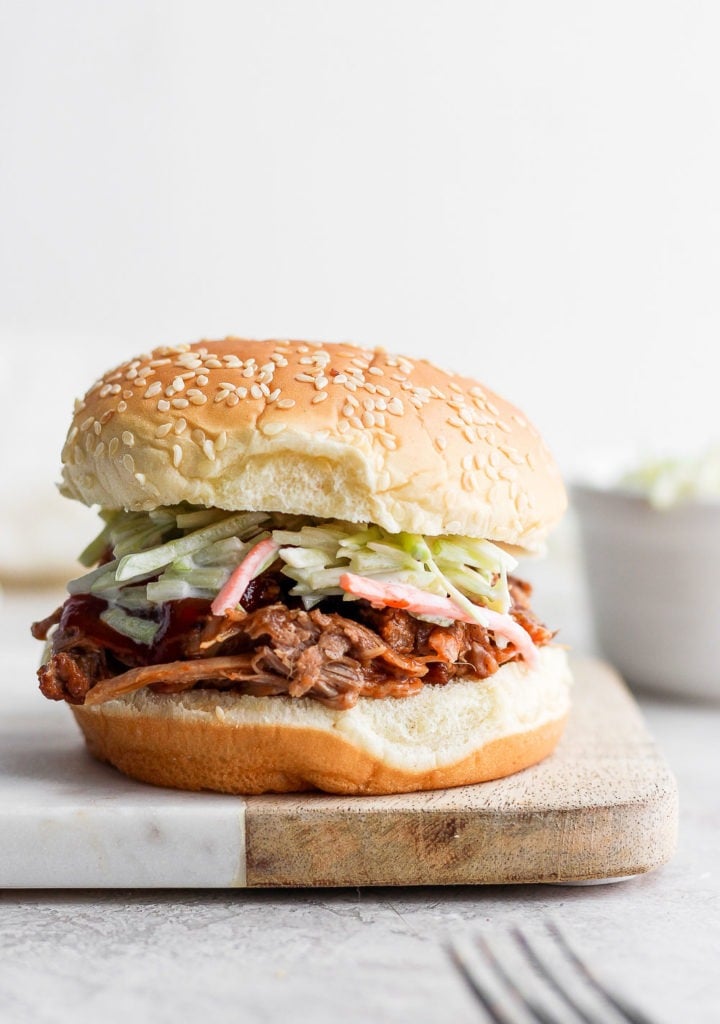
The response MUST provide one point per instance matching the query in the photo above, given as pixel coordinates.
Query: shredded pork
(274, 649)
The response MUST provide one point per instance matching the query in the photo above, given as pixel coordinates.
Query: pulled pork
(270, 649)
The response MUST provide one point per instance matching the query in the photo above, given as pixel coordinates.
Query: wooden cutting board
(604, 806)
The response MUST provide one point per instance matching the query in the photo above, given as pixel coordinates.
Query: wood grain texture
(603, 806)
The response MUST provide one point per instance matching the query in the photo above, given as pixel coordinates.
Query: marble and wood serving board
(604, 806)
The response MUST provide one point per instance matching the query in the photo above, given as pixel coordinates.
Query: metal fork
(537, 978)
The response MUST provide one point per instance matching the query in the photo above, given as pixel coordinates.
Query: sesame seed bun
(465, 732)
(328, 430)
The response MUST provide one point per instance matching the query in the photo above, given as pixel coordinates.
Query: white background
(529, 191)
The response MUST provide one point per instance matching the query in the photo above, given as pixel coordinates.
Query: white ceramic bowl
(654, 586)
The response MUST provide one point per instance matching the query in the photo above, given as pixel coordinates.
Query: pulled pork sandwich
(304, 574)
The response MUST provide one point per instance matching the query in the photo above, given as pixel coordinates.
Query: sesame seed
(376, 371)
(226, 384)
(286, 403)
(209, 449)
(202, 379)
(455, 387)
(179, 384)
(128, 438)
(122, 406)
(221, 441)
(163, 429)
(127, 393)
(180, 425)
(370, 387)
(169, 391)
(105, 391)
(455, 421)
(350, 384)
(339, 378)
(493, 409)
(467, 482)
(492, 473)
(360, 363)
(97, 427)
(180, 403)
(232, 361)
(343, 426)
(319, 397)
(531, 460)
(99, 449)
(255, 391)
(502, 425)
(106, 416)
(86, 424)
(399, 377)
(88, 442)
(157, 362)
(177, 454)
(140, 477)
(163, 405)
(347, 410)
(467, 461)
(306, 361)
(73, 434)
(198, 436)
(304, 378)
(356, 422)
(129, 463)
(320, 383)
(154, 389)
(249, 371)
(388, 441)
(113, 446)
(131, 374)
(441, 443)
(241, 392)
(368, 419)
(271, 429)
(519, 420)
(379, 403)
(382, 390)
(213, 364)
(273, 396)
(264, 389)
(197, 397)
(468, 435)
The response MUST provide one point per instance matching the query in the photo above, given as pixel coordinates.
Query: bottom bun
(464, 732)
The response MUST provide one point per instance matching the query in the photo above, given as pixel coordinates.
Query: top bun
(327, 430)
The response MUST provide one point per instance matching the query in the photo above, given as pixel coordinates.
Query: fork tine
(630, 1013)
(519, 995)
(543, 970)
(480, 990)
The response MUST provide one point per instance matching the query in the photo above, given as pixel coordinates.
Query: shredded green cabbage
(179, 552)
